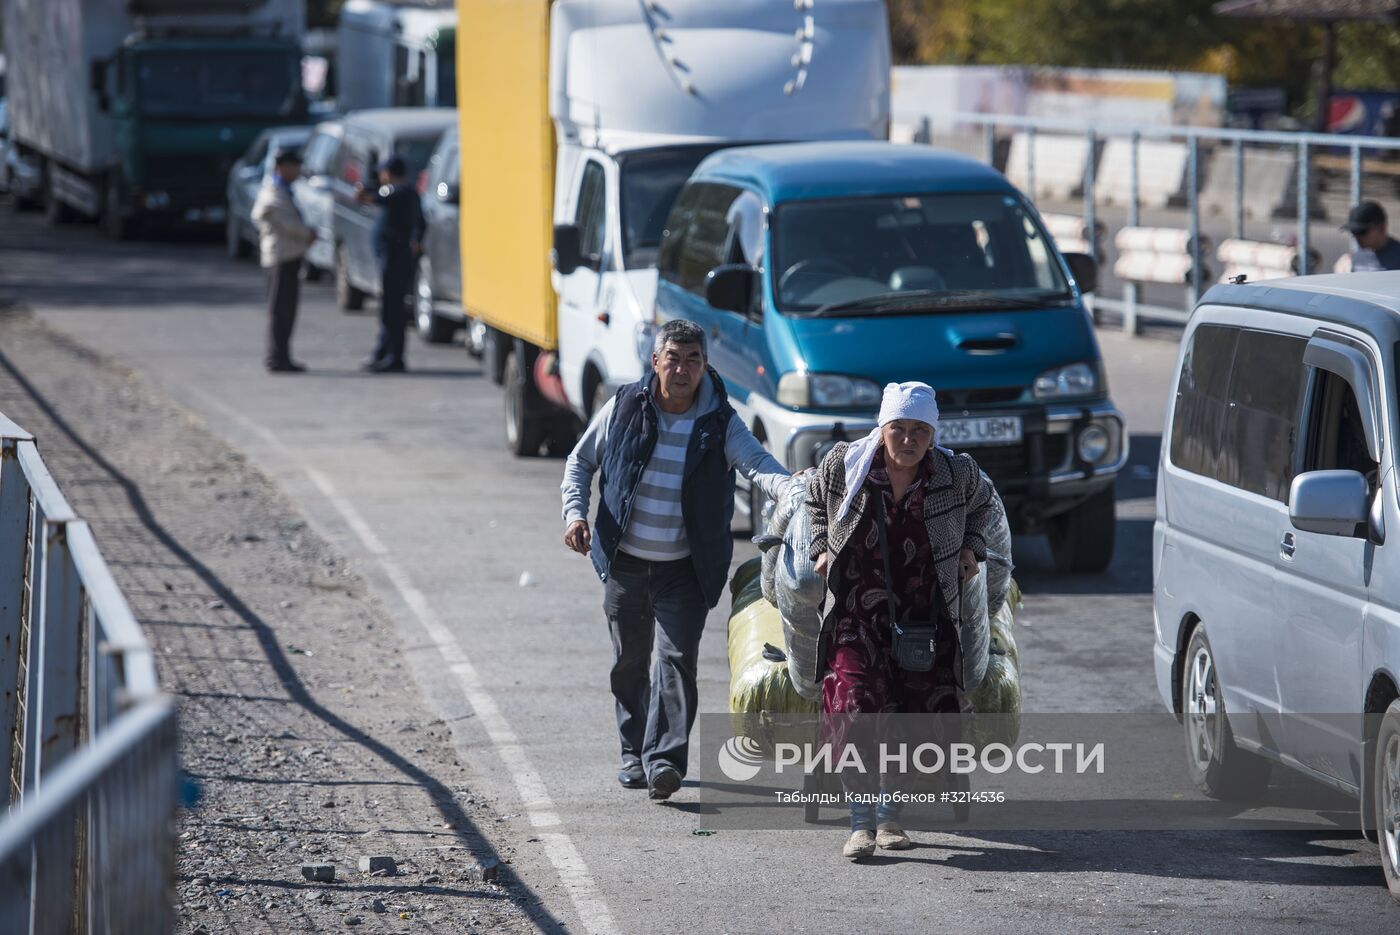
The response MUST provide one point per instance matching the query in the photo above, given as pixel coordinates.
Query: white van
(1276, 587)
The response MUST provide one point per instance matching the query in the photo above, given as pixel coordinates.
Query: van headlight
(1093, 444)
(804, 390)
(1074, 380)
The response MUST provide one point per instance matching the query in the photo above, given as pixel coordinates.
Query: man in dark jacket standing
(665, 450)
(397, 235)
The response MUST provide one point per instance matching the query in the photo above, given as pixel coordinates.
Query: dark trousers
(283, 291)
(395, 283)
(656, 614)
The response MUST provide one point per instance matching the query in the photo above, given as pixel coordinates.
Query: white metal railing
(89, 750)
(1229, 144)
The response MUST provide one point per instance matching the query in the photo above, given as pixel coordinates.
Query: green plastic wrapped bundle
(999, 695)
(759, 684)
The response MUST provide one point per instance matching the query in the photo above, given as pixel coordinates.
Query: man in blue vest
(665, 450)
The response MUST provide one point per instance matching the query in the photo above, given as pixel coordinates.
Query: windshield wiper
(938, 299)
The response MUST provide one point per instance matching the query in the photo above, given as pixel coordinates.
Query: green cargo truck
(132, 111)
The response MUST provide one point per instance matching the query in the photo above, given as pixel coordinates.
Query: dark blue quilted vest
(707, 492)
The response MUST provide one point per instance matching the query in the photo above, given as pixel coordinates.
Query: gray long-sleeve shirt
(744, 452)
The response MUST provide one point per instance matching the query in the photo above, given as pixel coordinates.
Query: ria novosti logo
(741, 758)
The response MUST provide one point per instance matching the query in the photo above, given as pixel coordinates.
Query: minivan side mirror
(1332, 503)
(729, 288)
(568, 248)
(1085, 271)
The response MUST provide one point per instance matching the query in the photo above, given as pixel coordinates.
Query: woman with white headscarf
(898, 524)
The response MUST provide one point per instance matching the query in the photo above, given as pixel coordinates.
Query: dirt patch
(301, 730)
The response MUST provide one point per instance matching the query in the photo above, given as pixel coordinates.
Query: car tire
(1081, 540)
(1219, 768)
(431, 327)
(1386, 798)
(347, 296)
(601, 395)
(234, 245)
(525, 433)
(311, 272)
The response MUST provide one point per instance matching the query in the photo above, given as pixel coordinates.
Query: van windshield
(651, 180)
(909, 252)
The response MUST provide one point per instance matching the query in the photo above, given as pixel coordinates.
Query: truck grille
(988, 396)
(202, 173)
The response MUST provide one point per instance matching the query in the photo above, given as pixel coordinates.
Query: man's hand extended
(578, 537)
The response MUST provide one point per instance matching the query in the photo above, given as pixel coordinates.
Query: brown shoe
(891, 837)
(860, 846)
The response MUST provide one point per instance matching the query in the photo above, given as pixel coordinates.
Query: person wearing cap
(1375, 248)
(398, 232)
(898, 524)
(283, 239)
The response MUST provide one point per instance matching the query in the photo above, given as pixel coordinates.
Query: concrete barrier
(1270, 185)
(1156, 254)
(1059, 161)
(1162, 169)
(1258, 260)
(1071, 234)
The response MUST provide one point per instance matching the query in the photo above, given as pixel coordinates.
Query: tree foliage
(1168, 34)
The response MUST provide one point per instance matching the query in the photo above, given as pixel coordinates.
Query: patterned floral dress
(863, 676)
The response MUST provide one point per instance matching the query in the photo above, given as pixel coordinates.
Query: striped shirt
(655, 527)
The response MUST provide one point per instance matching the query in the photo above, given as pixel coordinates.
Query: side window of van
(701, 246)
(1260, 433)
(1201, 399)
(668, 255)
(591, 212)
(1336, 439)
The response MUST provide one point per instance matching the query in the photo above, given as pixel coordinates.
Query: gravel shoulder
(300, 725)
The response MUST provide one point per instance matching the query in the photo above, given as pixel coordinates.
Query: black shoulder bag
(914, 643)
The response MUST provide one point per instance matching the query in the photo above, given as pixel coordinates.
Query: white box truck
(580, 122)
(396, 53)
(134, 110)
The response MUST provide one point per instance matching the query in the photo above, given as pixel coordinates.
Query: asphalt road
(407, 476)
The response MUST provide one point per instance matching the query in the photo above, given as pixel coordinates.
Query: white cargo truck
(592, 115)
(134, 110)
(396, 53)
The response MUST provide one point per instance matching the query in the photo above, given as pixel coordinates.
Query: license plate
(970, 433)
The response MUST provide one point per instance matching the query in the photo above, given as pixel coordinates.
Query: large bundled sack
(791, 583)
(759, 681)
(998, 566)
(999, 695)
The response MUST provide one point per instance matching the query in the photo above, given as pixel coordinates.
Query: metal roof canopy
(1326, 12)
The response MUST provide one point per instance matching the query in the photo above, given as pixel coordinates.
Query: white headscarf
(911, 400)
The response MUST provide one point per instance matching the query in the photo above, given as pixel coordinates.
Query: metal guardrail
(1306, 145)
(89, 751)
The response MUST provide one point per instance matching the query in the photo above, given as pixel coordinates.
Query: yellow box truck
(580, 122)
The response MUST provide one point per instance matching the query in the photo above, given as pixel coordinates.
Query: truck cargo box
(619, 75)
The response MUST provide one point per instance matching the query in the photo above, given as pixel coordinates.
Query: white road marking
(534, 796)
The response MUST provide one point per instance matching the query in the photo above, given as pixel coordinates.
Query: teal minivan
(823, 271)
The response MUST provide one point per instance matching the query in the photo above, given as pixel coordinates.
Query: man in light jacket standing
(283, 239)
(665, 450)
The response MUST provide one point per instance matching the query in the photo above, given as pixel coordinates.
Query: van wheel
(1219, 768)
(311, 272)
(55, 211)
(1386, 782)
(432, 328)
(563, 435)
(1081, 541)
(347, 296)
(524, 433)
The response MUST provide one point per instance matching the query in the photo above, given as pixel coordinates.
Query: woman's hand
(822, 564)
(967, 565)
